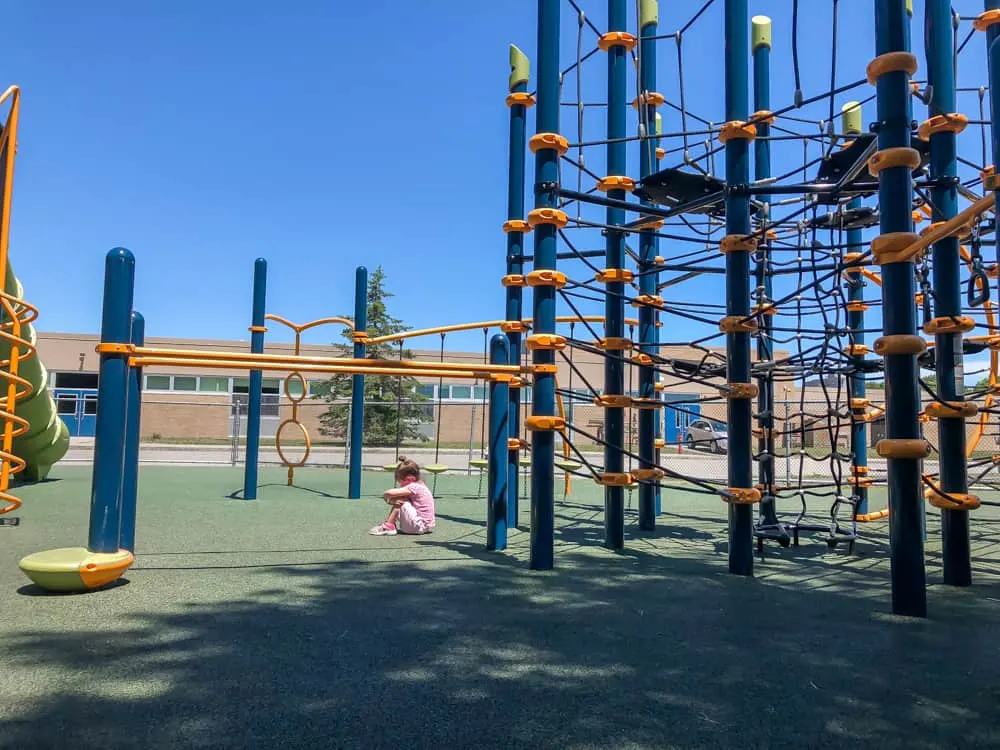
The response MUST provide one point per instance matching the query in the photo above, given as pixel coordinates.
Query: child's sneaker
(383, 529)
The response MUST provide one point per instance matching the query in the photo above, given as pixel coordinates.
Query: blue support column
(851, 125)
(659, 434)
(515, 227)
(649, 16)
(357, 434)
(130, 467)
(109, 439)
(761, 48)
(496, 494)
(614, 306)
(900, 340)
(740, 473)
(946, 264)
(546, 217)
(257, 329)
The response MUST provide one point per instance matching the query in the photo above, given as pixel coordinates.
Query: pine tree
(391, 403)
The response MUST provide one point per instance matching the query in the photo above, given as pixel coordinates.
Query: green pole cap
(659, 123)
(649, 12)
(909, 8)
(761, 32)
(850, 118)
(520, 67)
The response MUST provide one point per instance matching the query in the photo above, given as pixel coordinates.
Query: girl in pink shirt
(412, 503)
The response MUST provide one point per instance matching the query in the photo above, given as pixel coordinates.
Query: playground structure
(34, 438)
(766, 232)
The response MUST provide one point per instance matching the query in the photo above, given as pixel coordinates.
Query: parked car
(703, 433)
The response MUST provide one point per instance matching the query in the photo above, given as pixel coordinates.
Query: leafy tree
(383, 393)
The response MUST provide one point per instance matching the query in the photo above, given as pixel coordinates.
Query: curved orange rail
(16, 314)
(298, 328)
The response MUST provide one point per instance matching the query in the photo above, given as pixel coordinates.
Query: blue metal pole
(900, 342)
(614, 305)
(956, 555)
(515, 227)
(855, 281)
(761, 48)
(358, 383)
(130, 467)
(546, 217)
(496, 502)
(992, 34)
(257, 329)
(109, 439)
(738, 290)
(648, 18)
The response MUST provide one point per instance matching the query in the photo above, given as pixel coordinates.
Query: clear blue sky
(321, 135)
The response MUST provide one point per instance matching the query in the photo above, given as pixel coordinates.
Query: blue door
(676, 420)
(77, 407)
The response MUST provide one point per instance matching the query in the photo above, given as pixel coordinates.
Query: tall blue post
(761, 48)
(545, 218)
(518, 101)
(358, 382)
(617, 47)
(257, 329)
(903, 446)
(646, 103)
(737, 250)
(130, 467)
(946, 263)
(851, 126)
(112, 387)
(496, 494)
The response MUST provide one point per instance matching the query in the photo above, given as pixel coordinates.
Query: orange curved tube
(300, 327)
(18, 313)
(876, 516)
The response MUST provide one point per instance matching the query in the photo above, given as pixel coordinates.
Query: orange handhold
(616, 182)
(520, 97)
(551, 216)
(613, 275)
(546, 277)
(541, 141)
(545, 341)
(732, 243)
(891, 62)
(542, 423)
(513, 279)
(950, 123)
(738, 129)
(616, 39)
(516, 225)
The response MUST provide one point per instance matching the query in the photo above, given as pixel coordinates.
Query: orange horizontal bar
(293, 361)
(488, 324)
(356, 369)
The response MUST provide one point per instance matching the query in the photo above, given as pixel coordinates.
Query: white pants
(410, 521)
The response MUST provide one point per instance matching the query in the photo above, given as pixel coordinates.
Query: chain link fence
(812, 439)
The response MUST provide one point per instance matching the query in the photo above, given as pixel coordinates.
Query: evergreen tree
(389, 400)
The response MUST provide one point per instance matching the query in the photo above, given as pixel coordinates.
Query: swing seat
(524, 462)
(390, 467)
(436, 468)
(569, 465)
(479, 463)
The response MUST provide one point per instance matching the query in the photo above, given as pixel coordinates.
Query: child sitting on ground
(412, 503)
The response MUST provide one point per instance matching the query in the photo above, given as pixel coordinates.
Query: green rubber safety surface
(281, 622)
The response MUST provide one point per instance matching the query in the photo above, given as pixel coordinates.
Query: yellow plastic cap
(761, 34)
(649, 12)
(520, 67)
(850, 118)
(659, 124)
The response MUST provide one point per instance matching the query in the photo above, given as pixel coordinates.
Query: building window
(292, 387)
(157, 382)
(461, 392)
(185, 383)
(213, 385)
(427, 391)
(479, 392)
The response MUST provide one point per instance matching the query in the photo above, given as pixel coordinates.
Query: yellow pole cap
(659, 124)
(520, 67)
(850, 118)
(761, 34)
(649, 12)
(909, 8)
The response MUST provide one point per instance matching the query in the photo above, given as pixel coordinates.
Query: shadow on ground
(630, 650)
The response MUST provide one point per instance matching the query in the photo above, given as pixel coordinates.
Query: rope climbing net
(749, 286)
